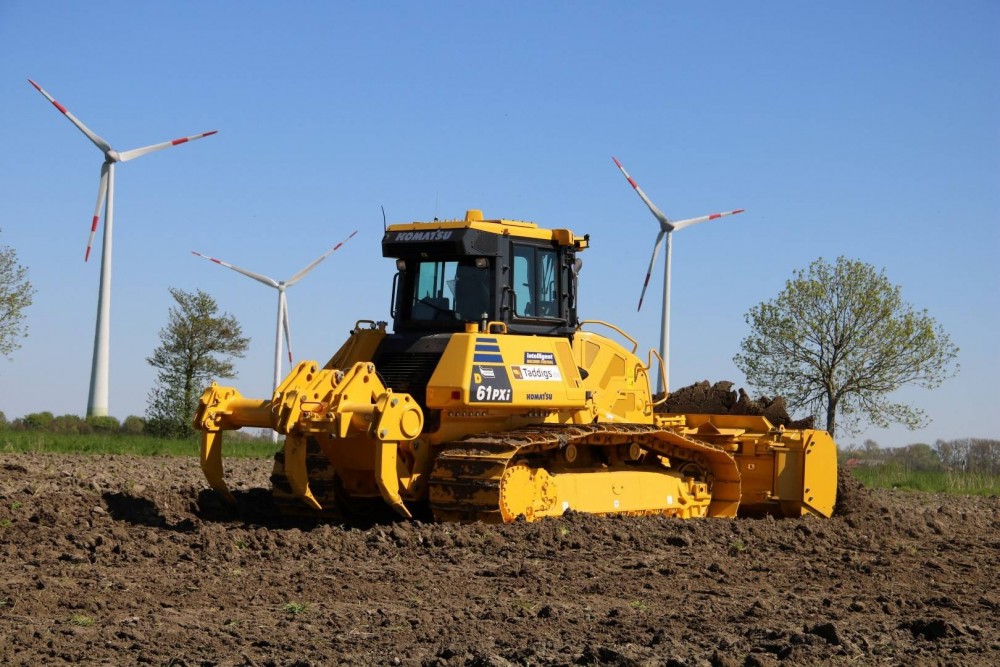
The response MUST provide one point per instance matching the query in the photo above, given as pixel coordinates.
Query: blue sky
(861, 129)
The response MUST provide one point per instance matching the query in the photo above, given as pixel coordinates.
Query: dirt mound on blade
(720, 399)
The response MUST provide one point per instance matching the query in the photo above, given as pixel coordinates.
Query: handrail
(652, 353)
(635, 345)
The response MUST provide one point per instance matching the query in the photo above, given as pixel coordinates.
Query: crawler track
(474, 478)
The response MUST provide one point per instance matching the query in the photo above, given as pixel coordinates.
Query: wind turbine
(667, 228)
(281, 286)
(97, 401)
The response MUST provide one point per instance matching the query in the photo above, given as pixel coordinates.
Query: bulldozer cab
(453, 273)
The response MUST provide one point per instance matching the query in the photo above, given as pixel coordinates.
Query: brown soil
(119, 560)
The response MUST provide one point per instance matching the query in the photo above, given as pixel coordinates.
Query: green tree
(16, 294)
(195, 348)
(838, 340)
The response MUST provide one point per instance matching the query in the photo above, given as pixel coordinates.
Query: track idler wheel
(526, 491)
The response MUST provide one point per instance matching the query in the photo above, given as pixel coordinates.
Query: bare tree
(838, 340)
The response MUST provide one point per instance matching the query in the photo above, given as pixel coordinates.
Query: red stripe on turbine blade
(217, 261)
(178, 141)
(208, 134)
(337, 247)
(93, 227)
(59, 106)
(37, 87)
(714, 216)
(634, 184)
(289, 356)
(739, 210)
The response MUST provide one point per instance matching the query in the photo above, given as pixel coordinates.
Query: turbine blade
(649, 271)
(102, 196)
(270, 282)
(139, 152)
(98, 141)
(665, 224)
(694, 221)
(288, 336)
(301, 274)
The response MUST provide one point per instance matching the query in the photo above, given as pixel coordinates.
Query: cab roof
(518, 228)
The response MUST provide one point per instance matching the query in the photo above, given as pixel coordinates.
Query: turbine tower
(97, 401)
(281, 286)
(667, 228)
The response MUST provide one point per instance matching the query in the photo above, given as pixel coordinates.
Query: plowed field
(121, 561)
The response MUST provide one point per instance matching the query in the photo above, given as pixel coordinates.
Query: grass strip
(892, 476)
(132, 445)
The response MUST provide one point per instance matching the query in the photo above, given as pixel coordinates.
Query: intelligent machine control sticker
(540, 358)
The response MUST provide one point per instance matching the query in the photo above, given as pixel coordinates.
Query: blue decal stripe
(488, 358)
(487, 340)
(487, 348)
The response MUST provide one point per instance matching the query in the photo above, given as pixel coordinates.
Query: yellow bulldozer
(490, 400)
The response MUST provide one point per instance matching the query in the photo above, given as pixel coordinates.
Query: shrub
(68, 424)
(106, 424)
(133, 425)
(37, 421)
(158, 427)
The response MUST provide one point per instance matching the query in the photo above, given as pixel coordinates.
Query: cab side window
(535, 276)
